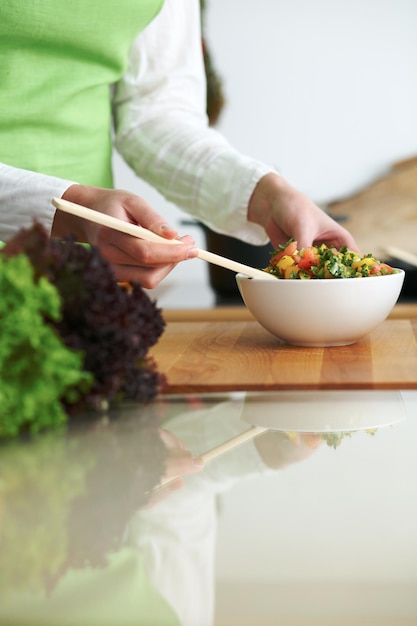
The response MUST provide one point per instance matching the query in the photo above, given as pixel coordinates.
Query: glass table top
(304, 514)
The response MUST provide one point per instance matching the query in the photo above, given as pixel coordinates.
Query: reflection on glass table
(313, 521)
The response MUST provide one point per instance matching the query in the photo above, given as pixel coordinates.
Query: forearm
(198, 171)
(26, 196)
(162, 129)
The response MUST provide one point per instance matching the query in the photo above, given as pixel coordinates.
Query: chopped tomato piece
(307, 259)
(375, 269)
(289, 250)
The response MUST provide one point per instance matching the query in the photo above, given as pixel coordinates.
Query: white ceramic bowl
(321, 312)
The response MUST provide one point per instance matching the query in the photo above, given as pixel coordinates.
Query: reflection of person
(62, 88)
(177, 536)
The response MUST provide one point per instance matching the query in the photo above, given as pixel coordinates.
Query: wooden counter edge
(240, 313)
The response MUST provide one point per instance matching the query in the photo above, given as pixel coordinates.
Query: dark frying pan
(409, 290)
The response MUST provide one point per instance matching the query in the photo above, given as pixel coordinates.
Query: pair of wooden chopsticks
(143, 233)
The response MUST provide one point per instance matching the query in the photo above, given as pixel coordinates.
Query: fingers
(182, 463)
(179, 461)
(278, 450)
(317, 227)
(170, 440)
(335, 238)
(141, 261)
(285, 212)
(132, 259)
(124, 249)
(342, 238)
(147, 278)
(335, 235)
(143, 214)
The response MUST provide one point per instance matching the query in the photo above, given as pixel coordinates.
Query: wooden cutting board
(384, 213)
(242, 356)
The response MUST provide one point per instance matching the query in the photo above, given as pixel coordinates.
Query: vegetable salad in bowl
(309, 307)
(323, 262)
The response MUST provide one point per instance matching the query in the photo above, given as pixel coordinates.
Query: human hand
(285, 212)
(132, 259)
(178, 463)
(278, 449)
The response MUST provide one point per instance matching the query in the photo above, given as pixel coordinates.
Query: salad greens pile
(37, 370)
(72, 338)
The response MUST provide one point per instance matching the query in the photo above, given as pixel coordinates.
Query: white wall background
(324, 90)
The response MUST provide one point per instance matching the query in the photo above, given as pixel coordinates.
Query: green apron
(59, 59)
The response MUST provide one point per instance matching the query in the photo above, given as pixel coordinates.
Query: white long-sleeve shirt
(162, 131)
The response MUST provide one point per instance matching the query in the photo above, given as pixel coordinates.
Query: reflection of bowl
(326, 411)
(321, 312)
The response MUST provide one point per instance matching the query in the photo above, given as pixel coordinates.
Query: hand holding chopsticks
(142, 233)
(223, 448)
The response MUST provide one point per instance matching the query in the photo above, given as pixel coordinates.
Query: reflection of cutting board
(242, 356)
(384, 213)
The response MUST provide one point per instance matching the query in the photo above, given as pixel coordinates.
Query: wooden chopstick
(143, 233)
(223, 448)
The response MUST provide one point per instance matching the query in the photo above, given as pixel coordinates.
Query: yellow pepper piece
(368, 261)
(285, 261)
(291, 271)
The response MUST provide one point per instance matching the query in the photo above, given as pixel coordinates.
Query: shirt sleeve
(162, 129)
(25, 197)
